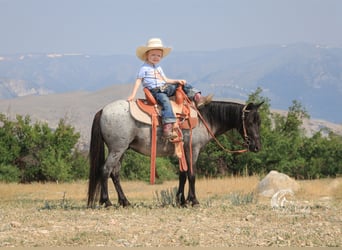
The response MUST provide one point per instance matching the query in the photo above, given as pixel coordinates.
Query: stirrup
(170, 135)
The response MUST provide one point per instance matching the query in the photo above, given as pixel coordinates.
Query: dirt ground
(41, 215)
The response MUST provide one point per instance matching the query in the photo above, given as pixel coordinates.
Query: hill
(78, 109)
(304, 72)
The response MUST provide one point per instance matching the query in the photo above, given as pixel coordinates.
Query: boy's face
(154, 56)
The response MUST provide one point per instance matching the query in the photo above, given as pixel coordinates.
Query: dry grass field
(41, 215)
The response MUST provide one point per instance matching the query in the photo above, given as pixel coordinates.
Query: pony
(114, 127)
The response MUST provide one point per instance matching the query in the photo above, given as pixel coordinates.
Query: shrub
(9, 173)
(39, 153)
(137, 167)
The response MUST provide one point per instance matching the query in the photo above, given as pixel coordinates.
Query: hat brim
(141, 51)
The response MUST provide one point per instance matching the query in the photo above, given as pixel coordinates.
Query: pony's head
(250, 129)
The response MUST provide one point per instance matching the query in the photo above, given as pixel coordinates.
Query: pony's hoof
(195, 205)
(194, 202)
(124, 203)
(108, 204)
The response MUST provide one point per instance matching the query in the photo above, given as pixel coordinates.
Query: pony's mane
(220, 112)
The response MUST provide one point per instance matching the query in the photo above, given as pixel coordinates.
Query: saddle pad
(145, 116)
(138, 114)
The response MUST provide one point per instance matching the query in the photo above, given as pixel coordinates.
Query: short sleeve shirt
(152, 76)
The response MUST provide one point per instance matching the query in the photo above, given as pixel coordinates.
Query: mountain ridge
(304, 72)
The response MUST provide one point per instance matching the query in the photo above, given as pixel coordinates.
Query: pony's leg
(104, 197)
(180, 193)
(112, 163)
(121, 196)
(192, 194)
(192, 176)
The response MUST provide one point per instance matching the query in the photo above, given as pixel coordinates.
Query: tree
(38, 152)
(9, 148)
(285, 147)
(294, 119)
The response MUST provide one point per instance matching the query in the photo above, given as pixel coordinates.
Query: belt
(161, 88)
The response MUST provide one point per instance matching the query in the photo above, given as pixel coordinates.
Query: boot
(202, 100)
(168, 132)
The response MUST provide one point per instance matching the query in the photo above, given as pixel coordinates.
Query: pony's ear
(258, 105)
(251, 105)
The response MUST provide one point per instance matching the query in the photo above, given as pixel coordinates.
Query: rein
(214, 137)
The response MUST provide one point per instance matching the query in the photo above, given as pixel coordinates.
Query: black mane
(222, 113)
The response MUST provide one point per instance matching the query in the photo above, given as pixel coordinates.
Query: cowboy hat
(153, 43)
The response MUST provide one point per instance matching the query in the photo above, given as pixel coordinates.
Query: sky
(108, 27)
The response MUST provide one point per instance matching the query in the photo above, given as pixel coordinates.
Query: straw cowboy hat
(153, 43)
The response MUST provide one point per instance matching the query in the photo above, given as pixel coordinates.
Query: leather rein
(245, 135)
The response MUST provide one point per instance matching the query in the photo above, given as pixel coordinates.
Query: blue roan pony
(115, 127)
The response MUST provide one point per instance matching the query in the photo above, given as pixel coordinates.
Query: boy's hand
(130, 98)
(182, 82)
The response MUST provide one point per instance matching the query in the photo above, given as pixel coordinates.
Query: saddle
(148, 111)
(143, 110)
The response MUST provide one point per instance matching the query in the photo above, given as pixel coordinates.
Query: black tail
(96, 160)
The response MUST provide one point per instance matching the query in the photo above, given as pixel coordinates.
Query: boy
(151, 76)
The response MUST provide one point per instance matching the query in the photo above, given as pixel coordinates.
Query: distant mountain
(308, 73)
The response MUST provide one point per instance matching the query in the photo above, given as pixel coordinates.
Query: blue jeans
(162, 97)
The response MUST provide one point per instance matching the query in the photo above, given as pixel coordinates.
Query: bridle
(245, 135)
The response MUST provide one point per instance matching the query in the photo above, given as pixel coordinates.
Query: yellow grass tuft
(43, 191)
(321, 188)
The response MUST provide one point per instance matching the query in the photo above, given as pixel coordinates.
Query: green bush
(79, 166)
(55, 167)
(9, 173)
(137, 167)
(39, 153)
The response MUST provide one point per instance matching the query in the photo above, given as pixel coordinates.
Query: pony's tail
(96, 160)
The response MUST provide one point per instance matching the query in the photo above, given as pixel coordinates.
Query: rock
(250, 217)
(282, 198)
(15, 224)
(275, 181)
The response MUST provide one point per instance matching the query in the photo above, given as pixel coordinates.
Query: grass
(134, 190)
(322, 188)
(230, 214)
(41, 191)
(142, 191)
(167, 197)
(239, 198)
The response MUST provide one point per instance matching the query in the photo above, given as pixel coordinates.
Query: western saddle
(186, 119)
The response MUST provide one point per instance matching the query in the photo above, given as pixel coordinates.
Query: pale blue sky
(118, 27)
